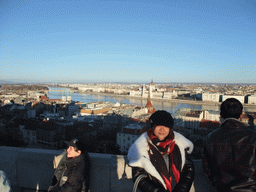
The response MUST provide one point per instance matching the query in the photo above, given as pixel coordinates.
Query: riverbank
(171, 105)
(191, 102)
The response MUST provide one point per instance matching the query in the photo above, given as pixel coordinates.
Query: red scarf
(166, 147)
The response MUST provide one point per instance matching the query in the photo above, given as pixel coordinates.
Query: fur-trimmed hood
(138, 154)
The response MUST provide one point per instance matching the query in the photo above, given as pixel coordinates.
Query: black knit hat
(77, 144)
(161, 117)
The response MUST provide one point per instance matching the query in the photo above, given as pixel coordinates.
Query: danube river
(54, 93)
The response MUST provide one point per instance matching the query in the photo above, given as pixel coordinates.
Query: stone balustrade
(29, 168)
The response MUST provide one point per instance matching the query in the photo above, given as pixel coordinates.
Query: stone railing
(28, 168)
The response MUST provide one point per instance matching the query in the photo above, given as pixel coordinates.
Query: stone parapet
(29, 168)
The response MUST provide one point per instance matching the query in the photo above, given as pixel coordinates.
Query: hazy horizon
(99, 82)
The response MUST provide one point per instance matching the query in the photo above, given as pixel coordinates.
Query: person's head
(231, 108)
(161, 123)
(75, 148)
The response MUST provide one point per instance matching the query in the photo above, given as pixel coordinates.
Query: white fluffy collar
(138, 154)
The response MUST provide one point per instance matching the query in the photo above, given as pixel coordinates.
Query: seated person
(72, 172)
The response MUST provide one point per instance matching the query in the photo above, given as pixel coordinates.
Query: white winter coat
(138, 154)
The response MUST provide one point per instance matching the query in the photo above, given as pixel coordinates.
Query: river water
(54, 93)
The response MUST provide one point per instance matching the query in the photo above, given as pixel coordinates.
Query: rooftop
(193, 113)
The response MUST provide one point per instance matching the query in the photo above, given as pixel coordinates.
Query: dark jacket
(153, 182)
(229, 159)
(72, 175)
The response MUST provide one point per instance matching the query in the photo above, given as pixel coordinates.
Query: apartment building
(126, 136)
(252, 99)
(238, 97)
(211, 97)
(189, 119)
(212, 115)
(192, 120)
(46, 132)
(29, 133)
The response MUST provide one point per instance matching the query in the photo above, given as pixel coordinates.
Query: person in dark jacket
(72, 172)
(159, 158)
(229, 159)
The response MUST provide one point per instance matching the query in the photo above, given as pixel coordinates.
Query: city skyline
(128, 41)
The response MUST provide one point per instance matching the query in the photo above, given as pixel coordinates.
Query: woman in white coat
(159, 158)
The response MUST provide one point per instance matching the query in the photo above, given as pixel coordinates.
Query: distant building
(252, 99)
(29, 132)
(126, 136)
(72, 109)
(120, 91)
(112, 121)
(189, 119)
(170, 95)
(238, 97)
(19, 112)
(6, 101)
(87, 131)
(156, 93)
(198, 90)
(192, 120)
(149, 105)
(31, 113)
(101, 111)
(144, 93)
(138, 111)
(206, 126)
(38, 94)
(64, 98)
(152, 87)
(46, 132)
(135, 93)
(199, 96)
(64, 122)
(212, 115)
(49, 115)
(43, 98)
(212, 97)
(69, 97)
(31, 95)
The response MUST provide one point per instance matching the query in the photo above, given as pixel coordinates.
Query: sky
(84, 41)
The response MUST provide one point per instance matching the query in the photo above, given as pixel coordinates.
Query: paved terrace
(28, 168)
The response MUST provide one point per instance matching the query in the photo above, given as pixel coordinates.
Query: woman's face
(161, 132)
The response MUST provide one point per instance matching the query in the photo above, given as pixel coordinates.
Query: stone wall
(27, 168)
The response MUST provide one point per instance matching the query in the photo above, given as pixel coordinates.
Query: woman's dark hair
(231, 108)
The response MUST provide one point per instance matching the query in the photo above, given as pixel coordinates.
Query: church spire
(149, 105)
(148, 95)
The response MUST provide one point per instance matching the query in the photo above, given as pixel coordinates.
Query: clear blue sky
(128, 41)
